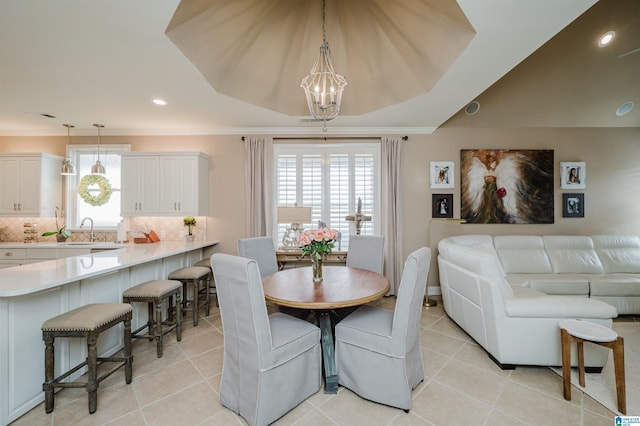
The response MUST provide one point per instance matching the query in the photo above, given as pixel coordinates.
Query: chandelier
(322, 86)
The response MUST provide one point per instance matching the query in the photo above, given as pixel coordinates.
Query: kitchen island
(32, 293)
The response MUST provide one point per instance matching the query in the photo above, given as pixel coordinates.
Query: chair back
(366, 252)
(406, 317)
(262, 250)
(243, 311)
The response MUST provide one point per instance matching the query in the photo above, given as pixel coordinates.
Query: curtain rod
(325, 138)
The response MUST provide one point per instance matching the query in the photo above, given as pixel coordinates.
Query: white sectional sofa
(509, 292)
(602, 267)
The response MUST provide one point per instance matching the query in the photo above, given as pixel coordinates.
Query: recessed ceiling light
(472, 108)
(159, 102)
(624, 109)
(606, 38)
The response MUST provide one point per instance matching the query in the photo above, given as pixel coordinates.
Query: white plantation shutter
(329, 179)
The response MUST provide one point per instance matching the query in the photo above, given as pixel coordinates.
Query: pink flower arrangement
(316, 243)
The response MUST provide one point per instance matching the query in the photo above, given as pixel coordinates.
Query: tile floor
(462, 386)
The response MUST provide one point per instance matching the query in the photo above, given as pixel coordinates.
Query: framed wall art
(573, 175)
(573, 205)
(507, 186)
(442, 174)
(442, 205)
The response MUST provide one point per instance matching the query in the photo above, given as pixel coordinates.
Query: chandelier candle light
(323, 87)
(317, 243)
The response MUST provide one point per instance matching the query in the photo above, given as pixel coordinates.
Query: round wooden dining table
(341, 287)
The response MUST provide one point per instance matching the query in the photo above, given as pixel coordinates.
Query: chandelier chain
(324, 34)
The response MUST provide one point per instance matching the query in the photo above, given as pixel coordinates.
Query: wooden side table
(584, 331)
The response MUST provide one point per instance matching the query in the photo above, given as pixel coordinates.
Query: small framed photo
(442, 205)
(442, 174)
(573, 205)
(573, 175)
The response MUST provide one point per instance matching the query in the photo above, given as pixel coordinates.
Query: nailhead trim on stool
(87, 321)
(206, 263)
(154, 293)
(193, 275)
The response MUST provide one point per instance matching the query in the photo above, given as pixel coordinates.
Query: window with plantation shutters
(330, 179)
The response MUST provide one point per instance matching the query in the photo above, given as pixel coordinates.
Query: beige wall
(612, 194)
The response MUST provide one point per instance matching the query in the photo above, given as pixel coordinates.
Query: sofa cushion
(572, 254)
(618, 253)
(567, 284)
(615, 285)
(522, 254)
(534, 305)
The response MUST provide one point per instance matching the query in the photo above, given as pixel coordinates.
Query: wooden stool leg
(150, 324)
(128, 363)
(158, 331)
(195, 302)
(618, 362)
(49, 363)
(566, 363)
(580, 347)
(178, 317)
(92, 374)
(207, 283)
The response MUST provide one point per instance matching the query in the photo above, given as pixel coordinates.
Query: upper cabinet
(140, 185)
(165, 184)
(30, 184)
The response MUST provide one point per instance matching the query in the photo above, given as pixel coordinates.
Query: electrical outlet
(163, 234)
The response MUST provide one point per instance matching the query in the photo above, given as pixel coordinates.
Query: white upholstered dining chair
(262, 250)
(271, 362)
(378, 351)
(366, 252)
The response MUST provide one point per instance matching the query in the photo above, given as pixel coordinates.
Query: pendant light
(98, 168)
(323, 87)
(67, 166)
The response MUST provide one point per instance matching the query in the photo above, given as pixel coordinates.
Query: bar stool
(197, 276)
(585, 331)
(154, 293)
(206, 263)
(87, 321)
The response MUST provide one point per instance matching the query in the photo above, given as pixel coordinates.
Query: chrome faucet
(82, 224)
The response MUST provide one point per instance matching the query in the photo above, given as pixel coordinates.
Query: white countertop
(34, 277)
(70, 244)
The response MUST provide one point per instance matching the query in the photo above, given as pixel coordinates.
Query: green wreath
(103, 184)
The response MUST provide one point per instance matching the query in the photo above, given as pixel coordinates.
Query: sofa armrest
(543, 306)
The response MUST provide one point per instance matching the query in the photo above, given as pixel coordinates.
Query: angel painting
(507, 186)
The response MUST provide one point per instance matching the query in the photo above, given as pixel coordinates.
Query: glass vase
(316, 266)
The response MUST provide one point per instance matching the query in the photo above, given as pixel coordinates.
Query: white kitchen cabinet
(181, 186)
(30, 184)
(140, 185)
(12, 257)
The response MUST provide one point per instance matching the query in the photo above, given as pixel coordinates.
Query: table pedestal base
(328, 353)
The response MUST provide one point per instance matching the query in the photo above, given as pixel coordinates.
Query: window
(83, 157)
(330, 179)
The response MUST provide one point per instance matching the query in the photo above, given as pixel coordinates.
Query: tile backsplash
(167, 228)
